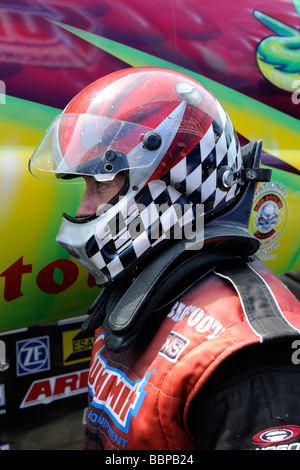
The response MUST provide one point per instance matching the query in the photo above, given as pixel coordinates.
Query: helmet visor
(91, 145)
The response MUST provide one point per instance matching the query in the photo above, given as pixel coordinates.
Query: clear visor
(91, 145)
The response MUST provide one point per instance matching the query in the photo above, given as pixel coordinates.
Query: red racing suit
(140, 398)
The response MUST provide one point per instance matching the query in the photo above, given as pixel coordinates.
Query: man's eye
(99, 184)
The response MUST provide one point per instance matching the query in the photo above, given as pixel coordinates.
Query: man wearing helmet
(191, 329)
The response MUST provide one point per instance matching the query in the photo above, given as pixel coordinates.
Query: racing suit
(208, 377)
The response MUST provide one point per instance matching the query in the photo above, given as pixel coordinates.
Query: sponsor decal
(113, 392)
(45, 391)
(173, 346)
(111, 433)
(278, 435)
(197, 319)
(33, 355)
(77, 347)
(269, 217)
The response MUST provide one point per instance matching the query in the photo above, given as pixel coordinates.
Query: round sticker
(269, 217)
(276, 435)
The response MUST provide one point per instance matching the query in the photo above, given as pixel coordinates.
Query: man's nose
(88, 205)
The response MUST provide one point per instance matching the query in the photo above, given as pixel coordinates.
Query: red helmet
(170, 137)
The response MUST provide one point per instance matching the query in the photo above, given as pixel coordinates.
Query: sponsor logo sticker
(173, 346)
(47, 390)
(276, 435)
(77, 347)
(113, 392)
(33, 355)
(269, 217)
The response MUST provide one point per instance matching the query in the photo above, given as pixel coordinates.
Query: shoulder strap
(258, 301)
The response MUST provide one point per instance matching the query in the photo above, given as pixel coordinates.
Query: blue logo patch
(33, 355)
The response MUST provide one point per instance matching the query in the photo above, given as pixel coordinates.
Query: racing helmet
(175, 145)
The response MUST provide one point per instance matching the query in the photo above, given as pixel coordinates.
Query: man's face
(97, 194)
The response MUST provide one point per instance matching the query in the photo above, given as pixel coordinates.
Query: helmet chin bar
(73, 236)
